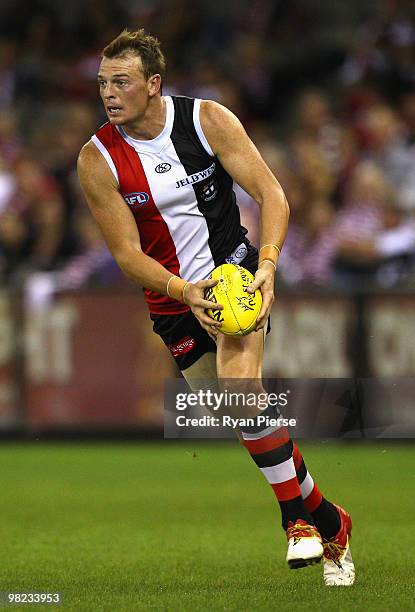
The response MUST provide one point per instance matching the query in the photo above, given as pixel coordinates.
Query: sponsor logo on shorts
(136, 199)
(182, 346)
(164, 167)
(196, 177)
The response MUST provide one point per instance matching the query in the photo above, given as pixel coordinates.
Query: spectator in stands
(10, 141)
(32, 220)
(310, 247)
(376, 240)
(92, 266)
(382, 51)
(383, 142)
(323, 146)
(14, 244)
(48, 57)
(8, 53)
(407, 184)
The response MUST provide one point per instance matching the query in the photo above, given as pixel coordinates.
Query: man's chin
(116, 120)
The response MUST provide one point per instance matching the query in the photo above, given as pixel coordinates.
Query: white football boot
(339, 568)
(305, 545)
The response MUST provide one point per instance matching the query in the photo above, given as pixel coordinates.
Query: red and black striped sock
(272, 451)
(324, 513)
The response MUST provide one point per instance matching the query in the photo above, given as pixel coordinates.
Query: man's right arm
(121, 235)
(116, 221)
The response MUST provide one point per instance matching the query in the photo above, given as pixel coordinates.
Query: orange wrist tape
(269, 252)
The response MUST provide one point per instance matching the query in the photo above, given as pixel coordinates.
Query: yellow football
(240, 309)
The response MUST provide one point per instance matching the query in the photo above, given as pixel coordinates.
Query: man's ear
(154, 85)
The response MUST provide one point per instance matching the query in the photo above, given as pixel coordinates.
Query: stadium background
(327, 92)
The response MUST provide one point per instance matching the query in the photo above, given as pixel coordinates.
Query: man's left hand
(264, 280)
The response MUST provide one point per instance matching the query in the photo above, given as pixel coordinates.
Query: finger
(210, 282)
(205, 304)
(211, 330)
(261, 320)
(206, 320)
(263, 314)
(264, 311)
(256, 283)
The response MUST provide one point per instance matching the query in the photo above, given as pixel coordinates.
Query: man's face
(123, 88)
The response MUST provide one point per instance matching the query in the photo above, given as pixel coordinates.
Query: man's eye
(101, 83)
(121, 83)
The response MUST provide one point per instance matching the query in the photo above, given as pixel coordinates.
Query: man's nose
(108, 91)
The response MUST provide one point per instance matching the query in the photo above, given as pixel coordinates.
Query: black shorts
(184, 336)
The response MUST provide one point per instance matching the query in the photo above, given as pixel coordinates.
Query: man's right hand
(194, 296)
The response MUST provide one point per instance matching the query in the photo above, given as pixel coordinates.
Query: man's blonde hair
(141, 44)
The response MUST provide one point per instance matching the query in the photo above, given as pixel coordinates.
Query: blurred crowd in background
(325, 90)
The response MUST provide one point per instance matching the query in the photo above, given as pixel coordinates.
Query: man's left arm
(242, 160)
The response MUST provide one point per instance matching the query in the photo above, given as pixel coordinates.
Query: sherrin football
(240, 309)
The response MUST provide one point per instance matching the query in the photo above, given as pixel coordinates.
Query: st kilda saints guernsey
(180, 195)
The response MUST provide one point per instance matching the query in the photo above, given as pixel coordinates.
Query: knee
(243, 368)
(247, 396)
(242, 384)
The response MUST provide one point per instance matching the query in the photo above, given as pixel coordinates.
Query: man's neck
(152, 123)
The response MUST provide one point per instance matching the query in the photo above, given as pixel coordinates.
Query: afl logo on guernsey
(164, 167)
(136, 199)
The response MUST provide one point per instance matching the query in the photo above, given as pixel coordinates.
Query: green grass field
(194, 526)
